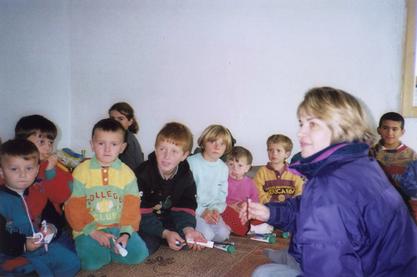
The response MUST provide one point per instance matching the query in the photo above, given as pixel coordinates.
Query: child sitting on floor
(240, 188)
(103, 209)
(274, 181)
(169, 192)
(47, 196)
(26, 247)
(210, 174)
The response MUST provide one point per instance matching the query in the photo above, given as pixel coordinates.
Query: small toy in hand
(120, 248)
(46, 234)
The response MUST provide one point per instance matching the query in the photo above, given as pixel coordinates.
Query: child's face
(238, 168)
(277, 154)
(391, 132)
(107, 146)
(45, 146)
(18, 173)
(314, 135)
(214, 149)
(168, 156)
(121, 118)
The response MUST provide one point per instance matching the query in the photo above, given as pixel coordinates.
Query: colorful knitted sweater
(393, 161)
(103, 197)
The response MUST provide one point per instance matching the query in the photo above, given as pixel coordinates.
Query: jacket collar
(340, 152)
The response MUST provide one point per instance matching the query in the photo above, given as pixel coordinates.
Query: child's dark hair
(126, 110)
(19, 148)
(29, 125)
(109, 125)
(391, 116)
(239, 152)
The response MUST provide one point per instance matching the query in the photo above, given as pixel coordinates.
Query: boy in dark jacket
(169, 192)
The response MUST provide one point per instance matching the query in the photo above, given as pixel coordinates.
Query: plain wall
(244, 64)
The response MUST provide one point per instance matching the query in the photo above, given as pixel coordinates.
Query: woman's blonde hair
(341, 111)
(214, 132)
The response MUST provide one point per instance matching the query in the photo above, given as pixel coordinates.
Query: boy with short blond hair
(103, 209)
(274, 181)
(168, 201)
(25, 246)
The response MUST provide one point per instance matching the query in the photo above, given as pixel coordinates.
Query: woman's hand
(251, 210)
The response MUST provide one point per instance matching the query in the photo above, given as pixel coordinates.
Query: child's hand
(191, 234)
(102, 238)
(172, 238)
(31, 244)
(215, 215)
(52, 161)
(207, 215)
(235, 206)
(123, 239)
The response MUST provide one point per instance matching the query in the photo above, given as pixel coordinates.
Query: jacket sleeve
(11, 244)
(183, 213)
(283, 215)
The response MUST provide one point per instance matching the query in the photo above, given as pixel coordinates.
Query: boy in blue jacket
(24, 246)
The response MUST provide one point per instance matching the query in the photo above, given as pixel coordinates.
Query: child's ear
(378, 130)
(123, 147)
(287, 154)
(185, 155)
(1, 173)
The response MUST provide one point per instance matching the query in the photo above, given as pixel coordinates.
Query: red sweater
(52, 185)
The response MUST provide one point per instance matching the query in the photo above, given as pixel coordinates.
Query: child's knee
(222, 234)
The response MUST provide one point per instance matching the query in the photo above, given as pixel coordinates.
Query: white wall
(244, 64)
(35, 72)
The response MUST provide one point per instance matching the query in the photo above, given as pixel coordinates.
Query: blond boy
(274, 181)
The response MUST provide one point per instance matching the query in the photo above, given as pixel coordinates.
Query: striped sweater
(103, 197)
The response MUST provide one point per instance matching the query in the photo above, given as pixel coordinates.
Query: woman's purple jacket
(349, 221)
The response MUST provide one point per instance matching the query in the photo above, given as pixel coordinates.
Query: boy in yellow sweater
(274, 181)
(103, 209)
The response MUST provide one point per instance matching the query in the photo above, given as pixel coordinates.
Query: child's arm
(76, 211)
(253, 191)
(11, 244)
(259, 180)
(130, 215)
(57, 182)
(219, 204)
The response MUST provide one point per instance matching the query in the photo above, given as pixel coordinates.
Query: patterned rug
(206, 263)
